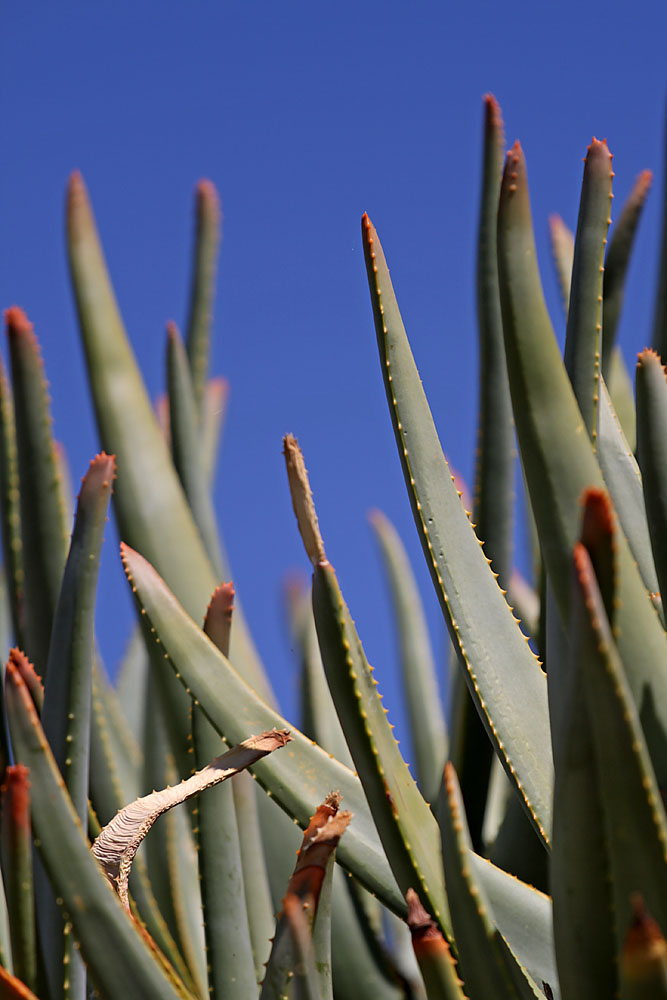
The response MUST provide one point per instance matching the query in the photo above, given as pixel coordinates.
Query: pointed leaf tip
(15, 790)
(599, 144)
(102, 460)
(78, 210)
(20, 674)
(16, 321)
(514, 178)
(645, 947)
(76, 187)
(207, 196)
(648, 355)
(25, 669)
(223, 597)
(493, 114)
(598, 517)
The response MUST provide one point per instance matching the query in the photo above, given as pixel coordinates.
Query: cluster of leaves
(527, 854)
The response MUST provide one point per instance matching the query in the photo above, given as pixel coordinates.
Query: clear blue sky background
(305, 115)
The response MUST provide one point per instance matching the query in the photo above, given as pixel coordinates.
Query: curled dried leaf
(302, 501)
(119, 841)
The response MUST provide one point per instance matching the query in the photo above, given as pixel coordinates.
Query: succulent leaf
(43, 531)
(583, 910)
(616, 263)
(659, 340)
(213, 420)
(494, 467)
(503, 674)
(318, 713)
(67, 693)
(129, 429)
(523, 915)
(624, 482)
(229, 940)
(516, 847)
(17, 868)
(254, 862)
(427, 722)
(622, 393)
(185, 445)
(584, 315)
(116, 757)
(562, 248)
(494, 476)
(202, 291)
(361, 960)
(403, 819)
(651, 453)
(407, 828)
(10, 507)
(487, 964)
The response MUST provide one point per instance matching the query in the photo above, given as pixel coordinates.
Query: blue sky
(305, 116)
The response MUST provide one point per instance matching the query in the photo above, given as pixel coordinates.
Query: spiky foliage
(527, 855)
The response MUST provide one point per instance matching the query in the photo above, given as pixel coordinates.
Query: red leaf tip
(16, 321)
(492, 111)
(76, 186)
(644, 943)
(16, 774)
(512, 160)
(18, 661)
(206, 194)
(598, 516)
(16, 795)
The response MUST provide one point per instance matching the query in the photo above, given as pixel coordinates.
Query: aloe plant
(526, 853)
